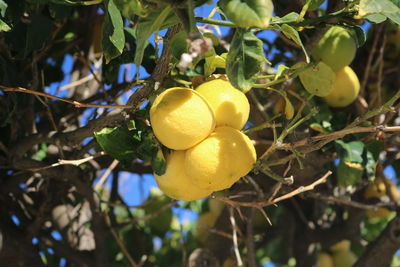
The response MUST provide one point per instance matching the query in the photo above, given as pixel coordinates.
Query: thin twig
(104, 177)
(235, 240)
(72, 102)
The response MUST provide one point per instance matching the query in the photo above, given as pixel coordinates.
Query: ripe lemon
(175, 183)
(221, 159)
(230, 106)
(340, 246)
(344, 258)
(337, 48)
(345, 88)
(203, 225)
(181, 118)
(324, 260)
(378, 190)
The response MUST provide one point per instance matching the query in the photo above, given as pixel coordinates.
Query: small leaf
(244, 60)
(289, 109)
(349, 173)
(388, 8)
(118, 142)
(179, 44)
(291, 17)
(113, 32)
(282, 70)
(4, 27)
(212, 63)
(292, 34)
(350, 152)
(248, 13)
(318, 80)
(376, 18)
(129, 8)
(358, 34)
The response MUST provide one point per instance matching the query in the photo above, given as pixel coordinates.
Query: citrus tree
(199, 133)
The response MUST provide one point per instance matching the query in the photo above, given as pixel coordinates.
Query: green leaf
(248, 13)
(282, 70)
(289, 109)
(129, 8)
(388, 8)
(376, 18)
(3, 8)
(351, 152)
(4, 27)
(179, 44)
(291, 17)
(156, 20)
(318, 80)
(358, 34)
(292, 34)
(349, 173)
(212, 63)
(244, 60)
(118, 142)
(371, 157)
(113, 32)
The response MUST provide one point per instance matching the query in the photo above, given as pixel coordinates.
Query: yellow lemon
(230, 106)
(340, 246)
(345, 88)
(337, 48)
(377, 189)
(204, 223)
(221, 159)
(181, 118)
(344, 258)
(324, 260)
(175, 183)
(230, 262)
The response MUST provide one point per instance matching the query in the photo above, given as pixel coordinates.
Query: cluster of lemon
(202, 128)
(337, 49)
(339, 255)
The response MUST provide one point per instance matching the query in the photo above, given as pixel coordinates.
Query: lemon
(337, 48)
(344, 258)
(221, 159)
(340, 246)
(378, 190)
(345, 88)
(230, 106)
(181, 118)
(204, 223)
(324, 260)
(175, 183)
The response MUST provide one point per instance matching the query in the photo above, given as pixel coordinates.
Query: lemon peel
(221, 159)
(231, 107)
(181, 118)
(175, 183)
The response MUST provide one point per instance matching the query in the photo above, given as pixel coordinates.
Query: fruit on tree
(230, 106)
(230, 262)
(381, 187)
(181, 118)
(175, 183)
(345, 88)
(343, 258)
(204, 223)
(337, 48)
(221, 159)
(324, 260)
(340, 246)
